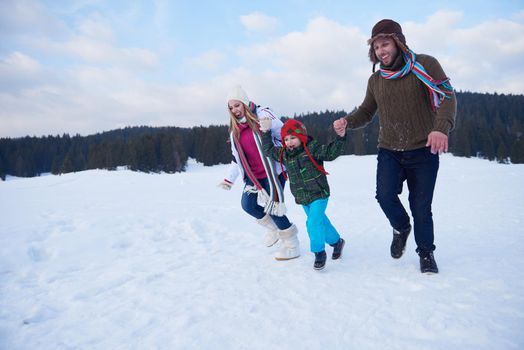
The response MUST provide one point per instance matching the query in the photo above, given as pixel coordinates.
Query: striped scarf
(273, 203)
(436, 94)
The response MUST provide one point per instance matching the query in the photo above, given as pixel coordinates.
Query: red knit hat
(296, 128)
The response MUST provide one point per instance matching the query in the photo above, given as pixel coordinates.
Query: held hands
(225, 185)
(438, 142)
(265, 124)
(339, 126)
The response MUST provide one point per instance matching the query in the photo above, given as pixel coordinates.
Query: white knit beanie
(237, 93)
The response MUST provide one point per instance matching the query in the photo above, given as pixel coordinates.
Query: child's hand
(340, 126)
(265, 124)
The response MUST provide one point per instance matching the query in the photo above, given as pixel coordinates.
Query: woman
(264, 181)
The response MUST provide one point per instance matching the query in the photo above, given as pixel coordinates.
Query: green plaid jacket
(306, 182)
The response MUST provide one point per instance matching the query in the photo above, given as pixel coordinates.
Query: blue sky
(89, 66)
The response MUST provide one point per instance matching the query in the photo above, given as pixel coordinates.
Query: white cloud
(493, 40)
(325, 66)
(210, 60)
(96, 29)
(97, 99)
(519, 16)
(436, 34)
(19, 71)
(21, 63)
(29, 16)
(137, 56)
(88, 49)
(95, 44)
(485, 57)
(259, 23)
(482, 58)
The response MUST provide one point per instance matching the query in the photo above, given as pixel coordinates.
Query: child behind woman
(303, 158)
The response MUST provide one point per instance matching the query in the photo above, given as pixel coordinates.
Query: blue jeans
(250, 206)
(319, 228)
(419, 168)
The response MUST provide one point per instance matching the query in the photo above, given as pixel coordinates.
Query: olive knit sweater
(404, 109)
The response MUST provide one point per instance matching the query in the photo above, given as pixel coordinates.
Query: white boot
(272, 234)
(290, 245)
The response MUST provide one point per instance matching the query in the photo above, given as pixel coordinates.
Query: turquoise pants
(319, 228)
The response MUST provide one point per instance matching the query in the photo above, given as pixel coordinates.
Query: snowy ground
(124, 260)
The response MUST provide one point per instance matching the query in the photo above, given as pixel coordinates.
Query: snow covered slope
(124, 260)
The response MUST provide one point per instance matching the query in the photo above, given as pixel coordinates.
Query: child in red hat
(303, 158)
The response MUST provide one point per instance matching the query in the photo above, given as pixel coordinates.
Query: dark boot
(337, 249)
(427, 262)
(320, 260)
(398, 245)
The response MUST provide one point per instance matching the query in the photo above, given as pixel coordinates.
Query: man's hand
(438, 142)
(339, 126)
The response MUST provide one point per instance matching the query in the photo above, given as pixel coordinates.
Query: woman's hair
(251, 120)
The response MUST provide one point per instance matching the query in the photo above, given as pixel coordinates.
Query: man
(416, 107)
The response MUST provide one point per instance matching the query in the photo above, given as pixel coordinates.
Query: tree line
(489, 126)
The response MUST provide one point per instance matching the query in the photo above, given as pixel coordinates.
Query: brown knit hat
(386, 28)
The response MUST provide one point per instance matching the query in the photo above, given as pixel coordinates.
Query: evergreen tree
(2, 168)
(517, 151)
(487, 125)
(67, 164)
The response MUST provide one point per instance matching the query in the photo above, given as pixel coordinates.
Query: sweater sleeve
(331, 151)
(445, 117)
(270, 150)
(233, 173)
(234, 168)
(365, 112)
